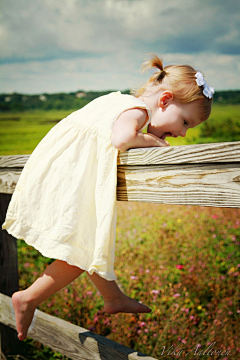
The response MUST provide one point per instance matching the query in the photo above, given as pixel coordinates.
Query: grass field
(21, 132)
(182, 261)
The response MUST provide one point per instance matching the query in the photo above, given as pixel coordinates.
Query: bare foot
(124, 304)
(23, 313)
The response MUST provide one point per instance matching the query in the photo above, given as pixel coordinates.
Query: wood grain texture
(185, 154)
(200, 153)
(215, 185)
(13, 161)
(205, 174)
(68, 339)
(8, 179)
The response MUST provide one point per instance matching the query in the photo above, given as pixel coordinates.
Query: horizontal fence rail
(68, 339)
(205, 175)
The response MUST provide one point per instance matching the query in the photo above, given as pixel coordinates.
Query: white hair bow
(207, 90)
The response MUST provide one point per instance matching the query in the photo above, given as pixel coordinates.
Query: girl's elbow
(122, 143)
(118, 144)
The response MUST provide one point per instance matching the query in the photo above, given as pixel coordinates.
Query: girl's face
(171, 118)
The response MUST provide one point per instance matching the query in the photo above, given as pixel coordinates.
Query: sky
(69, 45)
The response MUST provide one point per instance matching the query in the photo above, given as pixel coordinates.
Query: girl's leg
(114, 300)
(55, 277)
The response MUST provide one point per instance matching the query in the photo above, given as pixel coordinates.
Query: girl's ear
(164, 98)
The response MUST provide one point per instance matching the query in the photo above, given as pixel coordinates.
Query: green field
(21, 132)
(182, 261)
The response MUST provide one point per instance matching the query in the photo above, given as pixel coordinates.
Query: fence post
(9, 274)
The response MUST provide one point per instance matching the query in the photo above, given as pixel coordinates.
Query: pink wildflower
(176, 295)
(179, 267)
(134, 277)
(155, 292)
(214, 217)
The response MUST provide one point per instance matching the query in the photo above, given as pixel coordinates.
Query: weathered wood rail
(206, 175)
(70, 340)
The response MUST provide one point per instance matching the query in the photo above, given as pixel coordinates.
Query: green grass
(21, 132)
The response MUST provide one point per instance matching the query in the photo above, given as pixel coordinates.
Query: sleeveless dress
(64, 203)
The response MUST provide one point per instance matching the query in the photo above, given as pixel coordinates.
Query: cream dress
(64, 204)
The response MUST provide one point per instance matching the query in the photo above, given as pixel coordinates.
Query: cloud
(49, 45)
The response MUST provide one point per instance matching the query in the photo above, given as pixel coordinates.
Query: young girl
(64, 203)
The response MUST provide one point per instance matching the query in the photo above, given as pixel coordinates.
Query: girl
(64, 203)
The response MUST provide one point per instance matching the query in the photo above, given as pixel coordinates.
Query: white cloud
(90, 74)
(49, 45)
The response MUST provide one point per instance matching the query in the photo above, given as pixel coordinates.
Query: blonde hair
(180, 79)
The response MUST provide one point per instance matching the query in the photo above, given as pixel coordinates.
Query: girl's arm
(126, 135)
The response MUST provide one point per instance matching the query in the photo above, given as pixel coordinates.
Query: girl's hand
(153, 138)
(126, 134)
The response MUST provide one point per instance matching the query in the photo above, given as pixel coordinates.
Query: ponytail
(155, 62)
(180, 79)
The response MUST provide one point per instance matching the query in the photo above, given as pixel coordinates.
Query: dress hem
(58, 250)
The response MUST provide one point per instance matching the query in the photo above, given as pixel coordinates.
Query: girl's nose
(183, 133)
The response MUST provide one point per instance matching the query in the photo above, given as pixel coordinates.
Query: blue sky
(68, 45)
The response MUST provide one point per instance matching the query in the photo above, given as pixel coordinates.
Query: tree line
(76, 100)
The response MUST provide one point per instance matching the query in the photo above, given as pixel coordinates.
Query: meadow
(182, 261)
(20, 132)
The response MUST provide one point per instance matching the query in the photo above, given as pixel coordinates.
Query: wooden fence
(205, 175)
